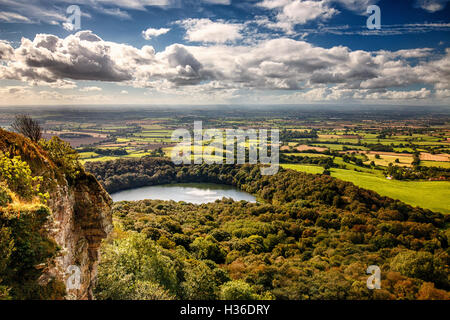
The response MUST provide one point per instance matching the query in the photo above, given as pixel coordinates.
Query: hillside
(51, 217)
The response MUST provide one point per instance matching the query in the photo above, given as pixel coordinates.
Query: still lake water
(188, 192)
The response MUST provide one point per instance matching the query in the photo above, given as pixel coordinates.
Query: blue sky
(222, 51)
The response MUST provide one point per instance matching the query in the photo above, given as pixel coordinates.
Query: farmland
(367, 150)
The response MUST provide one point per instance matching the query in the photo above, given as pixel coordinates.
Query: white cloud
(443, 94)
(58, 84)
(222, 2)
(12, 17)
(324, 94)
(6, 50)
(400, 95)
(411, 53)
(432, 5)
(134, 4)
(116, 12)
(14, 90)
(83, 56)
(91, 89)
(300, 12)
(54, 12)
(294, 12)
(205, 30)
(359, 6)
(290, 13)
(386, 30)
(307, 71)
(153, 33)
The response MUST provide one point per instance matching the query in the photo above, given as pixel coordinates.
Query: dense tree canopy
(308, 237)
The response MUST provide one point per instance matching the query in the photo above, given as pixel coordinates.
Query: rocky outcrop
(81, 217)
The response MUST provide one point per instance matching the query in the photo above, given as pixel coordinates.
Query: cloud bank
(308, 72)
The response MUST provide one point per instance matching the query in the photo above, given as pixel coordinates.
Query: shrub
(5, 198)
(147, 290)
(17, 175)
(208, 248)
(237, 290)
(129, 267)
(24, 244)
(422, 265)
(62, 154)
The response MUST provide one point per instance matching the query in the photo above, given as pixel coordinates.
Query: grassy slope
(303, 168)
(433, 195)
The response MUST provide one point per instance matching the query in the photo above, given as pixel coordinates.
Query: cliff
(79, 218)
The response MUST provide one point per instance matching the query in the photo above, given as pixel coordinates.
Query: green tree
(200, 281)
(129, 264)
(18, 177)
(62, 154)
(422, 265)
(208, 248)
(237, 290)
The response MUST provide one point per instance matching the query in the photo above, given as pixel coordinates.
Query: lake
(188, 192)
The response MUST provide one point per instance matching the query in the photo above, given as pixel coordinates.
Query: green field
(306, 154)
(433, 195)
(147, 134)
(303, 168)
(441, 164)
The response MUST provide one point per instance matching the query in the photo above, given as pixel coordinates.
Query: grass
(431, 195)
(337, 147)
(88, 155)
(306, 154)
(152, 127)
(106, 158)
(404, 149)
(384, 160)
(441, 164)
(303, 168)
(351, 166)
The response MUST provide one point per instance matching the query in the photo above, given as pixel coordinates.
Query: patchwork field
(350, 147)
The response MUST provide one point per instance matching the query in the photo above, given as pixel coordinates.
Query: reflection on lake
(188, 192)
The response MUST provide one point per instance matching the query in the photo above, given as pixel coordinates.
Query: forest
(308, 237)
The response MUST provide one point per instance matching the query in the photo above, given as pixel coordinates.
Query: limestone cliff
(80, 215)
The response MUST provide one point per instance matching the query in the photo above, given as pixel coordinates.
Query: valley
(403, 154)
(345, 197)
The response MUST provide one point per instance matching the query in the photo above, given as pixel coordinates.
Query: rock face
(81, 217)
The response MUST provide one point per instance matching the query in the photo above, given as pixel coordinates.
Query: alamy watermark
(208, 146)
(374, 20)
(73, 22)
(74, 280)
(374, 281)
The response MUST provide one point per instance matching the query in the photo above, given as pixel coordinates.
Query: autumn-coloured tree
(429, 292)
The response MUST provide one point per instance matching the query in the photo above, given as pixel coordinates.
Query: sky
(204, 52)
